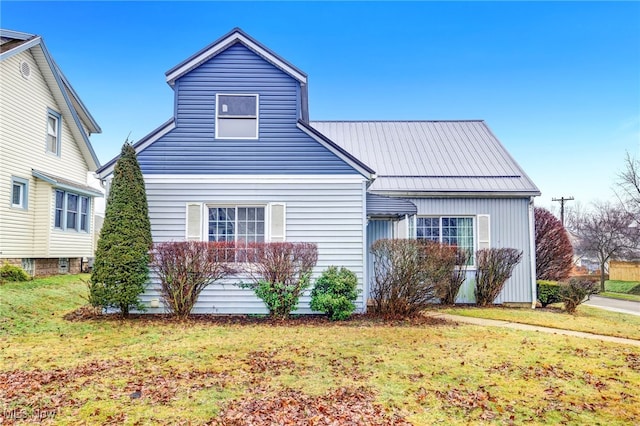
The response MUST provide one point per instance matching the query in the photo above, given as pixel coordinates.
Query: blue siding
(282, 148)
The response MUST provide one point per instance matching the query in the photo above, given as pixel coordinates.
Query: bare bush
(574, 292)
(494, 268)
(409, 274)
(280, 273)
(185, 268)
(448, 290)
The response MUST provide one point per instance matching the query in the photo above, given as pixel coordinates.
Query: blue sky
(558, 83)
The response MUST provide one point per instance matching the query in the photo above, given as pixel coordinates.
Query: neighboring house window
(19, 192)
(236, 116)
(71, 211)
(455, 231)
(53, 132)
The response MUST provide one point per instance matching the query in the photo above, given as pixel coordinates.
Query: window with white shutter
(277, 222)
(194, 222)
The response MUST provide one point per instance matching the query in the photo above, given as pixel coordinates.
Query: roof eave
(456, 194)
(106, 170)
(358, 165)
(234, 36)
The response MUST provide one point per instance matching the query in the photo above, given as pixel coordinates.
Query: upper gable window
(236, 116)
(53, 132)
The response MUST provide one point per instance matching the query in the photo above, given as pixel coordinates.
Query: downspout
(532, 251)
(365, 250)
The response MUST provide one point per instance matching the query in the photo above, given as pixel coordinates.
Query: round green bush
(334, 293)
(13, 273)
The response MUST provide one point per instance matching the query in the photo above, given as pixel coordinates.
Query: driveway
(615, 305)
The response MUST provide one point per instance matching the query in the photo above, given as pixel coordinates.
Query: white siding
(509, 227)
(328, 213)
(23, 120)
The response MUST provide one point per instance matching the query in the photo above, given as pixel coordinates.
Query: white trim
(365, 250)
(337, 153)
(223, 44)
(474, 224)
(252, 179)
(532, 250)
(214, 205)
(18, 49)
(257, 117)
(141, 147)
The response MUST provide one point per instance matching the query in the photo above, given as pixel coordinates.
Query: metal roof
(431, 157)
(378, 205)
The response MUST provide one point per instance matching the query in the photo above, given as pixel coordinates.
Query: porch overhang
(380, 206)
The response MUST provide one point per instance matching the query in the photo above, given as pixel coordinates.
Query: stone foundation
(47, 266)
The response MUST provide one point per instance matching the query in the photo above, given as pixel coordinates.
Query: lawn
(587, 319)
(163, 372)
(620, 286)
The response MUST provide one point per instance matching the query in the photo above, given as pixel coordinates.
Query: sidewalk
(527, 327)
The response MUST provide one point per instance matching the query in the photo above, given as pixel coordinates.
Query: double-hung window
(19, 193)
(53, 132)
(71, 211)
(236, 116)
(455, 231)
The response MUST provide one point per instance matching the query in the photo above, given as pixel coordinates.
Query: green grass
(190, 372)
(620, 286)
(586, 319)
(621, 296)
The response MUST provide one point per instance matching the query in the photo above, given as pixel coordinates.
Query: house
(241, 161)
(46, 205)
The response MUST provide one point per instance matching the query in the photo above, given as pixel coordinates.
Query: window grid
(455, 231)
(240, 224)
(17, 197)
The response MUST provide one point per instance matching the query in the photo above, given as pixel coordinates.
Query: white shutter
(193, 229)
(484, 232)
(277, 222)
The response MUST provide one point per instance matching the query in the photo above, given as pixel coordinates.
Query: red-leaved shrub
(554, 253)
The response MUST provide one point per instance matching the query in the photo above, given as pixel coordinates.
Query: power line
(562, 200)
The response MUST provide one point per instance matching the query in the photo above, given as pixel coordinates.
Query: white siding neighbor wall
(23, 128)
(327, 210)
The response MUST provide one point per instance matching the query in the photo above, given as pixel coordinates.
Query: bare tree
(607, 232)
(629, 183)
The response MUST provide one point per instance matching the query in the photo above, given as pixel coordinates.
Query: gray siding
(376, 230)
(282, 148)
(329, 214)
(509, 228)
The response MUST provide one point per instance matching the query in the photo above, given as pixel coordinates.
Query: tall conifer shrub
(120, 271)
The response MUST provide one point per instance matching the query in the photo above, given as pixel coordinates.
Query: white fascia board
(21, 48)
(253, 179)
(146, 141)
(218, 47)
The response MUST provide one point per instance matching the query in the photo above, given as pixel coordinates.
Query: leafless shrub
(185, 268)
(494, 268)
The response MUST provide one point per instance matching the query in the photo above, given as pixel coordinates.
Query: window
(455, 231)
(19, 194)
(236, 116)
(239, 224)
(71, 211)
(53, 132)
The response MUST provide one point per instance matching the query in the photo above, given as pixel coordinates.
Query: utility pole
(562, 201)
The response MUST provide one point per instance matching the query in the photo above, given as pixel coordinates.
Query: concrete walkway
(615, 305)
(527, 327)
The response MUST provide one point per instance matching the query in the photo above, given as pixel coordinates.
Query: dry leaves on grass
(344, 406)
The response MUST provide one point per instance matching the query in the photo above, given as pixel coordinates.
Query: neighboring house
(46, 205)
(241, 161)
